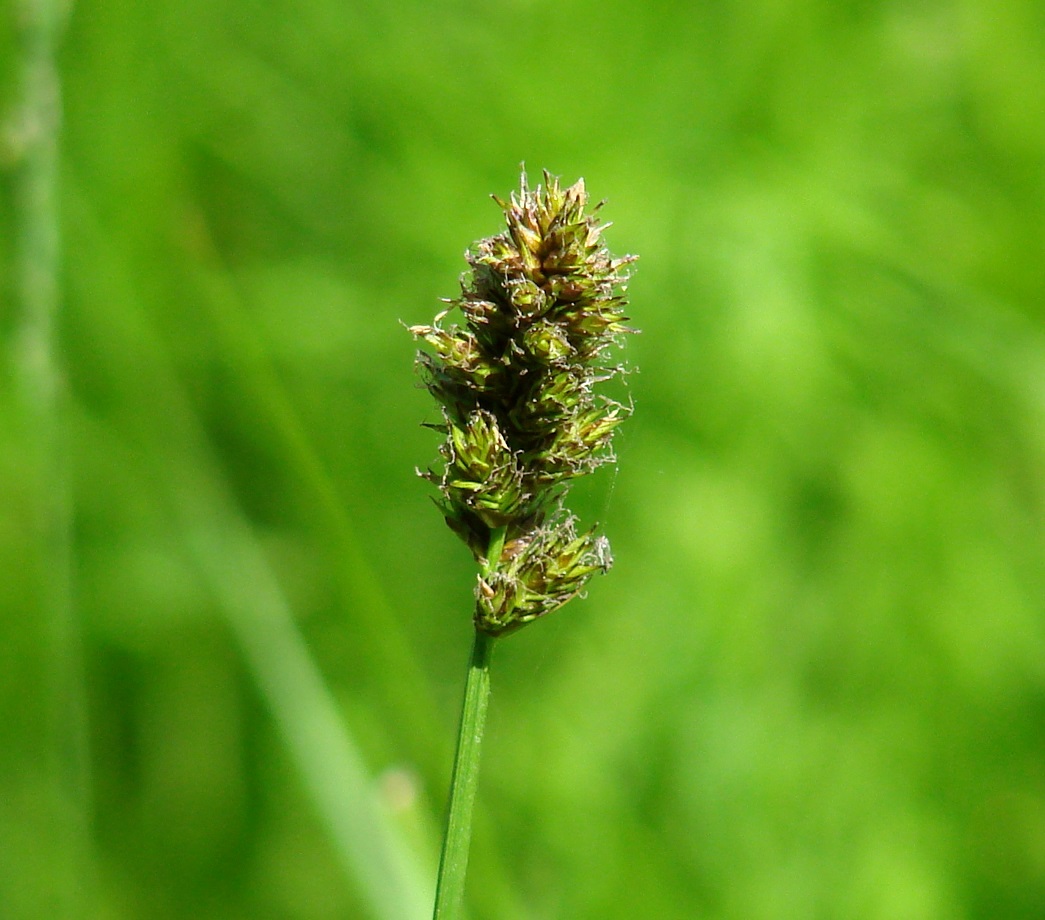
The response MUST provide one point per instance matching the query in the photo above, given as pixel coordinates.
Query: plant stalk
(453, 864)
(39, 378)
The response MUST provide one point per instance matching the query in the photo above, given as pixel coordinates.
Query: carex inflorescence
(542, 304)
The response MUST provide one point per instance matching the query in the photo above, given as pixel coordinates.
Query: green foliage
(813, 685)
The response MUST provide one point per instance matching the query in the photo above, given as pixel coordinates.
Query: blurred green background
(233, 629)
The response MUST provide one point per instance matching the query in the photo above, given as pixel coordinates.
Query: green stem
(453, 864)
(493, 554)
(40, 379)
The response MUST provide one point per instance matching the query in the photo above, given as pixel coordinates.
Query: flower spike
(515, 377)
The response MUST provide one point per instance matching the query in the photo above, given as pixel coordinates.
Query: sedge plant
(516, 372)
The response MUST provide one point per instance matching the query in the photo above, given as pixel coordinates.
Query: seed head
(515, 377)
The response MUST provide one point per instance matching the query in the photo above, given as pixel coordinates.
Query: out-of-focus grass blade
(321, 745)
(223, 545)
(56, 789)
